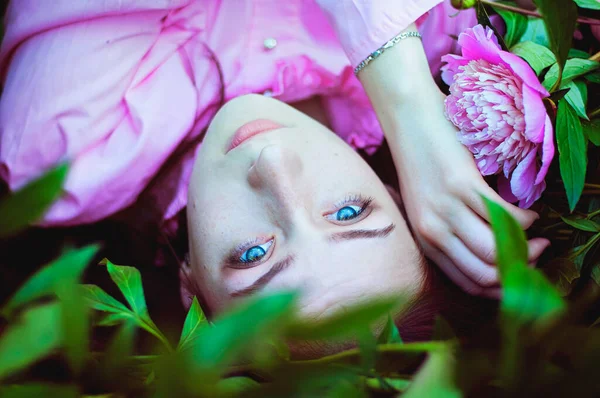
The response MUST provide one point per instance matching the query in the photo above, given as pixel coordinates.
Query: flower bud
(463, 4)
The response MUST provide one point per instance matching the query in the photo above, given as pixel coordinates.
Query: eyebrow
(362, 234)
(289, 260)
(266, 278)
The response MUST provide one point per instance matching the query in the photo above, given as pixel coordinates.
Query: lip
(252, 129)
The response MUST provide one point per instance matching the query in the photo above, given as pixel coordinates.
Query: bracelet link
(381, 50)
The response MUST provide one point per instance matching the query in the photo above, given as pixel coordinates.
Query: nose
(277, 172)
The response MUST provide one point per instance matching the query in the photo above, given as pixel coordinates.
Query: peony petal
(523, 178)
(452, 67)
(535, 194)
(504, 190)
(547, 151)
(535, 115)
(524, 72)
(479, 43)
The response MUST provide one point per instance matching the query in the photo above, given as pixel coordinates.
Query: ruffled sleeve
(80, 84)
(365, 25)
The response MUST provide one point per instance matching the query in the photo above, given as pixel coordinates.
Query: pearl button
(270, 43)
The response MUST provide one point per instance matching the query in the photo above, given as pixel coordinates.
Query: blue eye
(348, 213)
(256, 253)
(353, 207)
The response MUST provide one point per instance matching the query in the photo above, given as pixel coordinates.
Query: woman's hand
(441, 189)
(440, 184)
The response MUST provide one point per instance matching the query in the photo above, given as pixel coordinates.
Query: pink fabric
(118, 86)
(365, 25)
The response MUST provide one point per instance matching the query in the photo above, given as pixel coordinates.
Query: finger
(476, 234)
(456, 276)
(481, 273)
(473, 199)
(536, 247)
(479, 238)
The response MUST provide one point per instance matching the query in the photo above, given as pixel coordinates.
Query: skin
(440, 184)
(286, 186)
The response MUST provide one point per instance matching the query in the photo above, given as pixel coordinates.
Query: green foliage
(34, 335)
(591, 4)
(66, 269)
(537, 346)
(29, 204)
(577, 97)
(560, 18)
(129, 281)
(536, 32)
(537, 56)
(346, 323)
(516, 24)
(390, 333)
(574, 68)
(193, 322)
(572, 148)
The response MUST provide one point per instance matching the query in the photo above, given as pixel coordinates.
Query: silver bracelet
(381, 49)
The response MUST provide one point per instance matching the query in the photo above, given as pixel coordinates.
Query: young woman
(121, 88)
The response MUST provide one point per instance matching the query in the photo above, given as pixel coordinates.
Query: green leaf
(560, 18)
(235, 331)
(536, 32)
(537, 56)
(112, 319)
(574, 68)
(593, 77)
(129, 281)
(39, 390)
(194, 320)
(36, 334)
(99, 300)
(28, 205)
(67, 268)
(527, 295)
(235, 386)
(75, 324)
(390, 333)
(577, 97)
(343, 324)
(436, 378)
(119, 349)
(387, 385)
(572, 151)
(516, 24)
(346, 389)
(582, 224)
(561, 272)
(592, 131)
(575, 53)
(595, 273)
(591, 4)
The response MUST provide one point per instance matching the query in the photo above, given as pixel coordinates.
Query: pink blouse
(122, 88)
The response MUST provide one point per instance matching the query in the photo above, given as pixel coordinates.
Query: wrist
(400, 77)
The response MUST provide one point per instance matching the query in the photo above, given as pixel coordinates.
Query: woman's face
(292, 208)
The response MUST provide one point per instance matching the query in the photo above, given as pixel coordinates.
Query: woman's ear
(185, 280)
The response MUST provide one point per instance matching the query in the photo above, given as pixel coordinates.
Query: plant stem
(584, 20)
(594, 113)
(596, 186)
(593, 214)
(595, 57)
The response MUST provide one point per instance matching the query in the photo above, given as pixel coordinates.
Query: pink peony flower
(496, 102)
